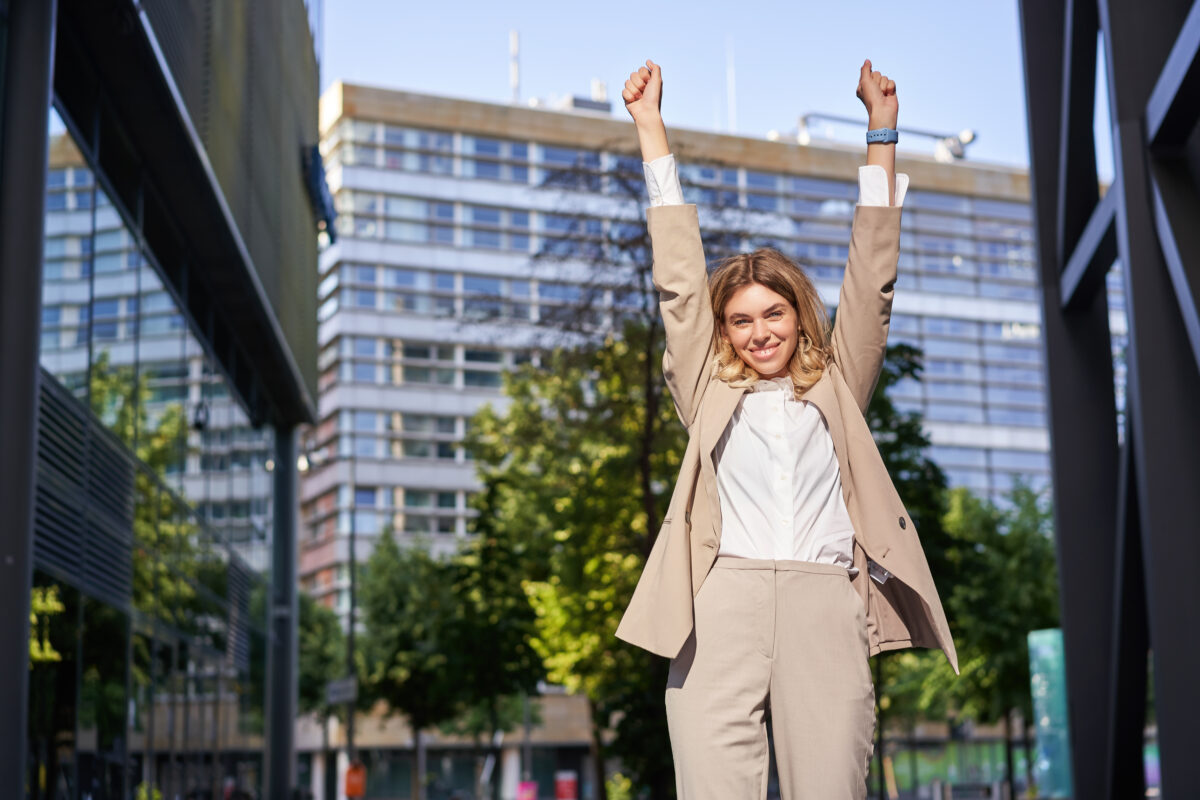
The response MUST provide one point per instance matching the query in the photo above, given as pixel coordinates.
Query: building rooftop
(573, 129)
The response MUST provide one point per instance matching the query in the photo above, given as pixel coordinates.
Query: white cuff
(873, 187)
(662, 181)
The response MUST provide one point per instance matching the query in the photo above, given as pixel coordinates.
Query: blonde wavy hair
(772, 269)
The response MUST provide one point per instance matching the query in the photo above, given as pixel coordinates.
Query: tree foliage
(1008, 587)
(406, 600)
(322, 653)
(580, 466)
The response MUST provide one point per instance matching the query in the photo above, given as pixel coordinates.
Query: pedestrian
(786, 558)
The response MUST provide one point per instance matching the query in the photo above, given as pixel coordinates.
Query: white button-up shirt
(779, 483)
(778, 479)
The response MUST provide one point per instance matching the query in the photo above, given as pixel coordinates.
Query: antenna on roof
(514, 65)
(730, 85)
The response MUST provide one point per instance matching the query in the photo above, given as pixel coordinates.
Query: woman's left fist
(878, 94)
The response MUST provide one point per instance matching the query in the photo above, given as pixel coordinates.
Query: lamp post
(311, 459)
(947, 148)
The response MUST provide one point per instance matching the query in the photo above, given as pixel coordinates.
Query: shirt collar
(780, 384)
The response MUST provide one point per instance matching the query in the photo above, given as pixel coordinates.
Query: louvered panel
(58, 527)
(110, 479)
(58, 531)
(108, 570)
(241, 585)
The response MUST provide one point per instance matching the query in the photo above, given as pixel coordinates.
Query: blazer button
(902, 524)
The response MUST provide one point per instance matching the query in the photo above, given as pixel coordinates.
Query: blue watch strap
(883, 136)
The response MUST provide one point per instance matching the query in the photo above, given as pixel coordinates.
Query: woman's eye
(776, 314)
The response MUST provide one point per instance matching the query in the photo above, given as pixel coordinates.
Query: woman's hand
(643, 93)
(643, 101)
(878, 94)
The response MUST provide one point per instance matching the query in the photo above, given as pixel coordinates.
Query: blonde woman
(786, 558)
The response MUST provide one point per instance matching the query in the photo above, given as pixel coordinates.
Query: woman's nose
(761, 332)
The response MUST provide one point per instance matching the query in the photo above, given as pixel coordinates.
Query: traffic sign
(343, 690)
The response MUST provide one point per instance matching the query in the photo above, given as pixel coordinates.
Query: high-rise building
(469, 232)
(435, 286)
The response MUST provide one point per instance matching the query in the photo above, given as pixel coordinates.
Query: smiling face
(762, 327)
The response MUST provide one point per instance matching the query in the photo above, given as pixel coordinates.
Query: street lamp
(312, 459)
(947, 148)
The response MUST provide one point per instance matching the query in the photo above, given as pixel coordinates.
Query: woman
(786, 558)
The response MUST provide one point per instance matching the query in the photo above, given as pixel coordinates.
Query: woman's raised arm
(679, 271)
(643, 101)
(864, 309)
(878, 94)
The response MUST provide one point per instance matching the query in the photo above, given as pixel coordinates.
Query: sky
(957, 65)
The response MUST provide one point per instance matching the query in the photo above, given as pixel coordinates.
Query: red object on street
(356, 780)
(527, 790)
(566, 785)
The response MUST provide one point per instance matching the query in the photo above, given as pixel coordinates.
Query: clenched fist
(643, 93)
(878, 94)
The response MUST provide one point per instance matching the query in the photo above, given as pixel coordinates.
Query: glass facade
(148, 650)
(444, 238)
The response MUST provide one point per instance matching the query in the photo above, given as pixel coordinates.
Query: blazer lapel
(719, 405)
(821, 395)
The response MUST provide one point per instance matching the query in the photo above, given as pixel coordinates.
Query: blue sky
(956, 64)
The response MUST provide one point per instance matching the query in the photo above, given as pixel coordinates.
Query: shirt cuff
(873, 186)
(662, 181)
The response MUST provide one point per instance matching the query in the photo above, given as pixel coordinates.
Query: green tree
(322, 648)
(489, 639)
(1005, 585)
(408, 604)
(580, 466)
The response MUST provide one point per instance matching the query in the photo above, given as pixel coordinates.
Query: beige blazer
(902, 612)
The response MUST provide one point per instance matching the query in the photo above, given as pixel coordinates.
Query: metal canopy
(117, 96)
(1127, 518)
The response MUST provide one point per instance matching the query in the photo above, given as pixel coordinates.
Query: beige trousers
(784, 638)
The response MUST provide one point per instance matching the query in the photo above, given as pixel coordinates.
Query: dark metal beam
(1174, 106)
(1130, 644)
(1079, 377)
(1177, 221)
(1078, 188)
(27, 70)
(1163, 385)
(1094, 252)
(283, 658)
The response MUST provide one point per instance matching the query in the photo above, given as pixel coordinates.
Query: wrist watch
(883, 136)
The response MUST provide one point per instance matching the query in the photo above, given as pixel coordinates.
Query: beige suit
(902, 612)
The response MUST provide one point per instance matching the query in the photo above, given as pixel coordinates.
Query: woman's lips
(764, 353)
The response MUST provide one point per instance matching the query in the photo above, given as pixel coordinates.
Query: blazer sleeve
(864, 311)
(682, 283)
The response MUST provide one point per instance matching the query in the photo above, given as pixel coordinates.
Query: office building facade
(439, 282)
(472, 236)
(150, 646)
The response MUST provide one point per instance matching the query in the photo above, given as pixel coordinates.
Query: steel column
(1079, 377)
(1163, 381)
(283, 656)
(27, 74)
(1141, 591)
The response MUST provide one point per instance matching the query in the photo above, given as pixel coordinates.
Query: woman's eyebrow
(776, 307)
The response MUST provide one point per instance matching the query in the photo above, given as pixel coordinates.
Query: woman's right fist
(643, 92)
